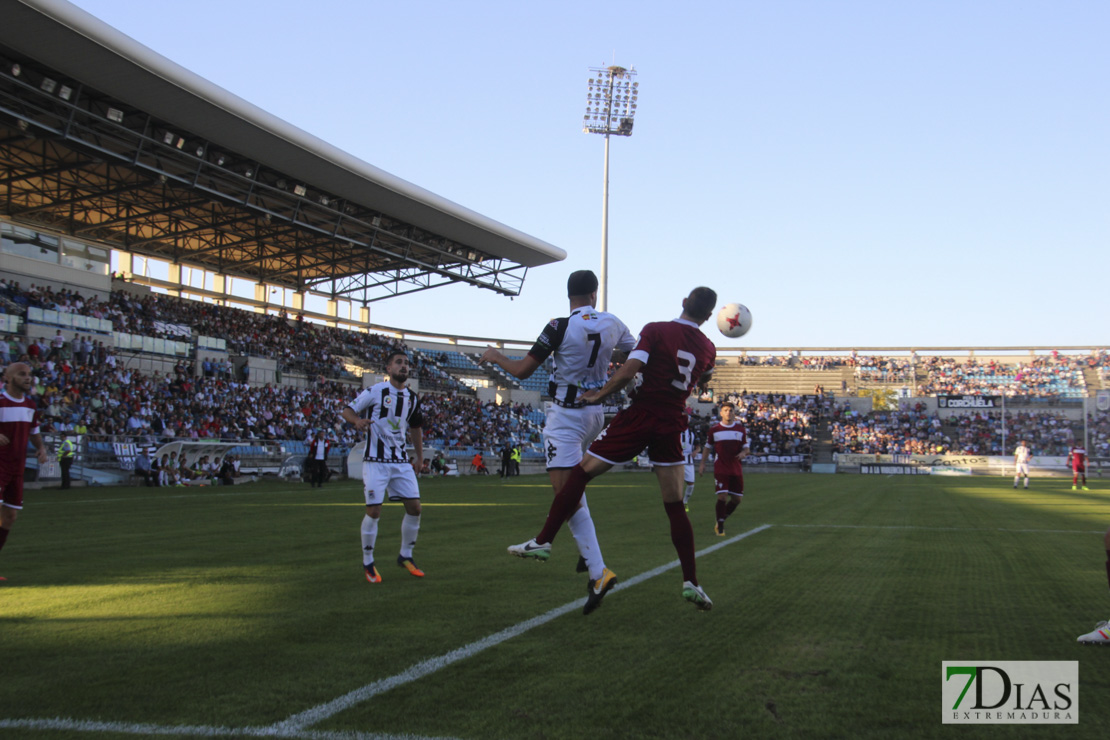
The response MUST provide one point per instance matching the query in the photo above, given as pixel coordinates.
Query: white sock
(581, 526)
(369, 538)
(689, 492)
(410, 526)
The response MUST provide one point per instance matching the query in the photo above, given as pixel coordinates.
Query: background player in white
(582, 344)
(1022, 457)
(689, 447)
(387, 412)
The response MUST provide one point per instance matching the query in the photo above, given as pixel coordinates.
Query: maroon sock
(3, 537)
(682, 537)
(566, 501)
(721, 505)
(733, 502)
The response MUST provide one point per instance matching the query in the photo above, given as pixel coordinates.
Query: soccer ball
(734, 320)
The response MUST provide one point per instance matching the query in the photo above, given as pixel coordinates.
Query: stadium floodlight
(610, 110)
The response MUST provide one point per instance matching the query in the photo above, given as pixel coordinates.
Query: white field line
(319, 713)
(124, 728)
(296, 726)
(941, 529)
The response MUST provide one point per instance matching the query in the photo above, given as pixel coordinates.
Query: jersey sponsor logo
(388, 401)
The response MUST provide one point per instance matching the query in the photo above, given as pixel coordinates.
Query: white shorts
(688, 474)
(1021, 469)
(398, 479)
(568, 432)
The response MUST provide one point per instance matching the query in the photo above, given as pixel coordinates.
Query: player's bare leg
(581, 526)
(682, 532)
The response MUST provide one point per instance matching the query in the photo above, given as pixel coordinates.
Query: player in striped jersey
(19, 424)
(582, 344)
(387, 412)
(688, 449)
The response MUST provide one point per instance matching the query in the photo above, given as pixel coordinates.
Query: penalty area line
(329, 709)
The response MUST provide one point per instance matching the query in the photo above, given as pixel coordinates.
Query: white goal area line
(297, 725)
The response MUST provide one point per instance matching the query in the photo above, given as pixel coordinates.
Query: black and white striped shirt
(583, 344)
(393, 411)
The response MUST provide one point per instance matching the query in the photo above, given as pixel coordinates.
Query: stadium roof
(104, 139)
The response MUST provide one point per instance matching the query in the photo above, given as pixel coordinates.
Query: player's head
(397, 366)
(699, 305)
(582, 287)
(18, 378)
(728, 411)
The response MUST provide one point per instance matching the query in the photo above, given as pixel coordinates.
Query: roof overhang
(340, 190)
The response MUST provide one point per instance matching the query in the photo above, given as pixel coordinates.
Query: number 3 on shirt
(686, 362)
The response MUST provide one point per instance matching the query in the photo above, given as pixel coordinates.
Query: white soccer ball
(734, 320)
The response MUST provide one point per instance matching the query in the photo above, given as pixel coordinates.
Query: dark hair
(730, 404)
(701, 302)
(395, 353)
(581, 282)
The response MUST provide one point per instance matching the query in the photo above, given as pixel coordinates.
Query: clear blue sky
(857, 173)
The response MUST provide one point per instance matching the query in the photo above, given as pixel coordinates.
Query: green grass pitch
(224, 611)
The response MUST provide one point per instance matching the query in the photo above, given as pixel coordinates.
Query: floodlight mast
(610, 109)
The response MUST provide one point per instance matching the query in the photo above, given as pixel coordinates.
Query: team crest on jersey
(388, 401)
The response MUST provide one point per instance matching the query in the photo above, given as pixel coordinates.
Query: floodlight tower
(610, 108)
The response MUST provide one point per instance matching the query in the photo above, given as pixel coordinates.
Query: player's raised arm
(521, 368)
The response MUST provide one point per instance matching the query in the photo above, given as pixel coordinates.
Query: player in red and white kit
(19, 424)
(1077, 459)
(729, 440)
(673, 357)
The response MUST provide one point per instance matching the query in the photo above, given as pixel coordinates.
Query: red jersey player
(19, 424)
(673, 357)
(1077, 459)
(729, 440)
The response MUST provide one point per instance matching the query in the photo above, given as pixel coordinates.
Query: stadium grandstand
(114, 155)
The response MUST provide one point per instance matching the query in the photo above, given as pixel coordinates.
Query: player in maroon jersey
(729, 440)
(19, 424)
(673, 357)
(1077, 459)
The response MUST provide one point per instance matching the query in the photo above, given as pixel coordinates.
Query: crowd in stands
(1045, 376)
(297, 345)
(914, 431)
(104, 398)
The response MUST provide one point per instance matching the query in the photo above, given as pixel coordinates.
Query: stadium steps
(1093, 382)
(823, 443)
(733, 378)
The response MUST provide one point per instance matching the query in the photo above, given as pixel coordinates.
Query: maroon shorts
(733, 484)
(636, 428)
(11, 484)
